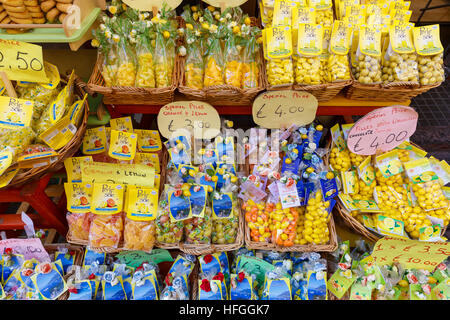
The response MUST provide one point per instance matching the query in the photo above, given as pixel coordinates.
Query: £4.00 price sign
(22, 61)
(382, 130)
(410, 253)
(278, 109)
(199, 118)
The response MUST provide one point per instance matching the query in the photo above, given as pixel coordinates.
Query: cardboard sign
(225, 3)
(133, 174)
(281, 109)
(382, 130)
(29, 248)
(148, 5)
(22, 61)
(410, 253)
(200, 118)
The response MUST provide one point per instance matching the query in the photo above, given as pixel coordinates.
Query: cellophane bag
(250, 63)
(16, 140)
(167, 231)
(145, 53)
(233, 61)
(106, 231)
(197, 230)
(79, 225)
(139, 235)
(164, 57)
(194, 68)
(126, 72)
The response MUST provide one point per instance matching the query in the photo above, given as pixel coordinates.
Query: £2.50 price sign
(278, 109)
(410, 253)
(22, 61)
(382, 130)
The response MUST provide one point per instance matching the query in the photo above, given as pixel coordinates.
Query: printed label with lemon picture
(122, 145)
(420, 171)
(141, 204)
(389, 164)
(94, 140)
(107, 198)
(15, 113)
(390, 226)
(430, 233)
(122, 124)
(148, 159)
(366, 171)
(148, 140)
(79, 197)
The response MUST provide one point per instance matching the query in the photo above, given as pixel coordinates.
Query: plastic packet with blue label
(212, 287)
(176, 282)
(277, 285)
(242, 286)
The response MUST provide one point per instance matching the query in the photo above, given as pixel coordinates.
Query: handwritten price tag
(382, 130)
(148, 5)
(22, 61)
(281, 109)
(29, 248)
(200, 118)
(410, 253)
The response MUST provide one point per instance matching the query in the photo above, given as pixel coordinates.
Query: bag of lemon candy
(425, 185)
(278, 52)
(389, 169)
(266, 9)
(324, 12)
(107, 50)
(233, 60)
(126, 71)
(318, 215)
(309, 48)
(251, 59)
(145, 53)
(368, 55)
(325, 76)
(16, 140)
(430, 54)
(139, 235)
(214, 59)
(400, 59)
(194, 68)
(339, 154)
(167, 231)
(197, 229)
(106, 230)
(338, 64)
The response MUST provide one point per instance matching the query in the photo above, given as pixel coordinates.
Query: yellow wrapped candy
(307, 70)
(139, 235)
(316, 220)
(194, 76)
(280, 72)
(145, 76)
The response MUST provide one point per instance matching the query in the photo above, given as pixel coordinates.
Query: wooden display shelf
(338, 106)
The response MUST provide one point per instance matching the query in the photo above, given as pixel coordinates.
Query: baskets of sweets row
(39, 148)
(222, 64)
(111, 217)
(198, 210)
(294, 196)
(137, 59)
(397, 70)
(403, 200)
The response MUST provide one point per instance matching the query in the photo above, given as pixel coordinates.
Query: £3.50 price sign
(410, 253)
(382, 130)
(22, 61)
(278, 109)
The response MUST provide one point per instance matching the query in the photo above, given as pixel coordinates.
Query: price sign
(22, 61)
(148, 5)
(225, 3)
(410, 253)
(195, 116)
(135, 258)
(29, 248)
(382, 130)
(281, 109)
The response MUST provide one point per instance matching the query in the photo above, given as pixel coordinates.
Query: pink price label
(382, 130)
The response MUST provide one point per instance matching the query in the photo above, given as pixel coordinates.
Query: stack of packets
(262, 275)
(34, 126)
(304, 45)
(289, 195)
(112, 192)
(358, 277)
(400, 192)
(221, 48)
(199, 203)
(104, 277)
(33, 279)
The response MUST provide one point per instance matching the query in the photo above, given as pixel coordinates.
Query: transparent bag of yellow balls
(368, 68)
(339, 159)
(399, 67)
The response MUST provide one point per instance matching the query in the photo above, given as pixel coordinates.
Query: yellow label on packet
(5, 161)
(279, 42)
(390, 227)
(400, 15)
(148, 140)
(347, 201)
(349, 181)
(427, 40)
(389, 164)
(79, 197)
(355, 20)
(94, 140)
(366, 171)
(141, 204)
(340, 37)
(303, 15)
(59, 134)
(73, 168)
(336, 136)
(53, 76)
(367, 206)
(370, 40)
(148, 159)
(321, 4)
(36, 156)
(122, 124)
(75, 112)
(58, 106)
(282, 12)
(310, 38)
(399, 5)
(420, 171)
(15, 113)
(107, 198)
(326, 42)
(430, 233)
(122, 145)
(356, 10)
(346, 128)
(401, 39)
(343, 7)
(8, 175)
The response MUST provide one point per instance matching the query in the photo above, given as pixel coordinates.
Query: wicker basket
(225, 95)
(399, 92)
(65, 152)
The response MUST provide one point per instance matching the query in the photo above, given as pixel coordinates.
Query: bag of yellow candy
(251, 62)
(214, 57)
(126, 71)
(368, 55)
(339, 154)
(145, 53)
(139, 235)
(107, 51)
(430, 54)
(106, 230)
(266, 9)
(338, 64)
(233, 61)
(389, 169)
(79, 225)
(194, 69)
(278, 52)
(324, 11)
(309, 48)
(164, 57)
(16, 140)
(400, 59)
